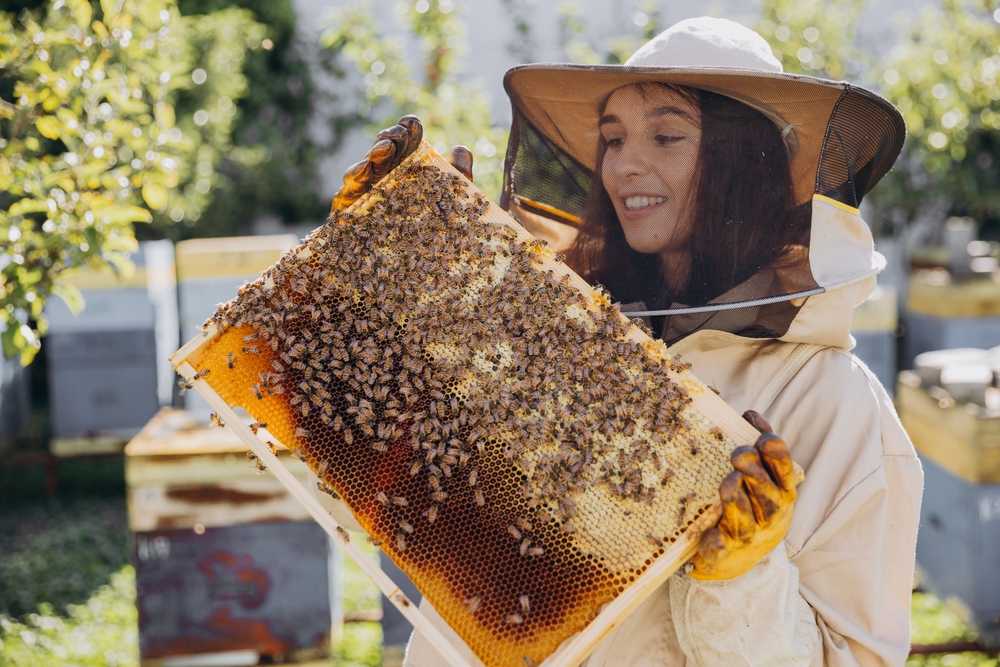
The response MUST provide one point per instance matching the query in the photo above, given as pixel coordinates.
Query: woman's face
(649, 169)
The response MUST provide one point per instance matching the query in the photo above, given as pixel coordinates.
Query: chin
(644, 245)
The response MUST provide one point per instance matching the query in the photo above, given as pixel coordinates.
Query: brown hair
(744, 211)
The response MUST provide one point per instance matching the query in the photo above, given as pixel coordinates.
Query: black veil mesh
(857, 149)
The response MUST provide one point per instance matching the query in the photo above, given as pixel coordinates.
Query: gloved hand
(392, 146)
(757, 500)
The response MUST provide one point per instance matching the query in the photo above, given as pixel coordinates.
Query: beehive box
(958, 548)
(517, 447)
(104, 371)
(963, 439)
(942, 314)
(873, 327)
(227, 562)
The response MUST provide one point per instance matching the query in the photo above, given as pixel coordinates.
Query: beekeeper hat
(838, 135)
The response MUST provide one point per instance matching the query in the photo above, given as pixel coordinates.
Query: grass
(67, 595)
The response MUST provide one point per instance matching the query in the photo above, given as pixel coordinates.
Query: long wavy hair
(744, 212)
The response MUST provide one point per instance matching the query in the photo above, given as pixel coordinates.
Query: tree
(943, 78)
(90, 141)
(268, 166)
(814, 37)
(451, 111)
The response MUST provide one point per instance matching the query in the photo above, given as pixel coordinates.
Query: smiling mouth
(637, 203)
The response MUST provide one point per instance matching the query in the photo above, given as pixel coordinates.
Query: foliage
(932, 622)
(93, 143)
(943, 78)
(104, 632)
(815, 37)
(269, 168)
(360, 646)
(579, 49)
(59, 554)
(450, 110)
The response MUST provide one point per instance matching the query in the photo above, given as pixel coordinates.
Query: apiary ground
(510, 447)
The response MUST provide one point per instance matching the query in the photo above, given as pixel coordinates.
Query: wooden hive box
(533, 461)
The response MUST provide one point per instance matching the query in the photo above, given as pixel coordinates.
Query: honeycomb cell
(495, 431)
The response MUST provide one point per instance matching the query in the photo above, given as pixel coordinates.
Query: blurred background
(155, 154)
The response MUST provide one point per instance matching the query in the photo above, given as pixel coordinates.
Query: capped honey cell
(497, 431)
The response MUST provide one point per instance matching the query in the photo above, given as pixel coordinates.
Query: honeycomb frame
(710, 428)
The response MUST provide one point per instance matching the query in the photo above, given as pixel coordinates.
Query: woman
(716, 196)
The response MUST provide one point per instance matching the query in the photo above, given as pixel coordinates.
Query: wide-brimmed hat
(841, 138)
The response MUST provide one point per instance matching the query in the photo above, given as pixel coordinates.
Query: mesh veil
(552, 193)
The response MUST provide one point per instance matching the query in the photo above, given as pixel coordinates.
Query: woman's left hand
(757, 500)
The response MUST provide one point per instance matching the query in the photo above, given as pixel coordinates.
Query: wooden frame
(574, 650)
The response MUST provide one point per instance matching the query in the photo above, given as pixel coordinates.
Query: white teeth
(642, 202)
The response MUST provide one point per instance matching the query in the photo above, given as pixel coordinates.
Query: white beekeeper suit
(837, 591)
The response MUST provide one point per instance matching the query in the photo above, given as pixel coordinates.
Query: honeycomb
(510, 445)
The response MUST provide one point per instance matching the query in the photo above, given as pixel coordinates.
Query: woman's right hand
(392, 146)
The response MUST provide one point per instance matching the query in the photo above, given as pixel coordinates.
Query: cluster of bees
(462, 401)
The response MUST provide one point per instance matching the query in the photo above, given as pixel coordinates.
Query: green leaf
(28, 205)
(81, 11)
(48, 127)
(71, 296)
(154, 195)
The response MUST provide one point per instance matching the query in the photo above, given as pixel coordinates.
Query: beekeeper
(717, 197)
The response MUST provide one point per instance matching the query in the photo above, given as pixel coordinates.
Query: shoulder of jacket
(846, 376)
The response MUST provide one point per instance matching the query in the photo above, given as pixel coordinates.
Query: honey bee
(256, 391)
(301, 433)
(251, 337)
(251, 350)
(406, 526)
(343, 534)
(473, 603)
(523, 524)
(523, 549)
(401, 501)
(216, 420)
(255, 426)
(200, 374)
(514, 532)
(326, 489)
(480, 497)
(568, 528)
(514, 619)
(536, 551)
(439, 496)
(372, 541)
(432, 513)
(525, 604)
(278, 389)
(401, 542)
(473, 477)
(348, 436)
(278, 368)
(184, 385)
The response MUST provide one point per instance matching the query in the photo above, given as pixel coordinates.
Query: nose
(629, 161)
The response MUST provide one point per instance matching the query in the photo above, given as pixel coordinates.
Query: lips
(637, 202)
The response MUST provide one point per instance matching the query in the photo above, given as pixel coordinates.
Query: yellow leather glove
(757, 501)
(392, 146)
